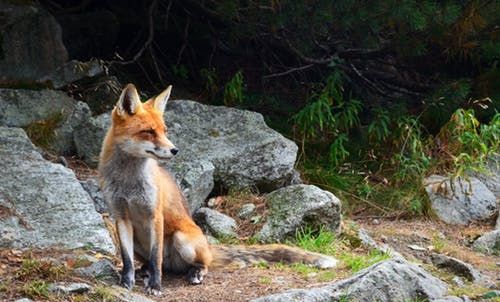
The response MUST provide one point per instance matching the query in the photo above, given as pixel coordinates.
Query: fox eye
(149, 132)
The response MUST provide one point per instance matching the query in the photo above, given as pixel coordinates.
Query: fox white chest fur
(129, 185)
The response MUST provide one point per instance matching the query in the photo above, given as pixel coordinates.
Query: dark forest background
(378, 94)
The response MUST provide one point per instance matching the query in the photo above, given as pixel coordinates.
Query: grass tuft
(319, 241)
(36, 289)
(358, 262)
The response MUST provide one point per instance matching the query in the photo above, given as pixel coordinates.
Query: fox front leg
(126, 235)
(153, 284)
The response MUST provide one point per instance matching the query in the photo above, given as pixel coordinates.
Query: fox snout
(165, 150)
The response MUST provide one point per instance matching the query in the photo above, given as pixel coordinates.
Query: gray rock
(296, 206)
(368, 241)
(458, 281)
(457, 267)
(101, 269)
(31, 43)
(453, 299)
(63, 142)
(88, 138)
(489, 243)
(196, 180)
(91, 185)
(391, 280)
(69, 287)
(20, 108)
(460, 201)
(246, 210)
(120, 294)
(491, 177)
(45, 204)
(215, 223)
(24, 300)
(73, 71)
(243, 149)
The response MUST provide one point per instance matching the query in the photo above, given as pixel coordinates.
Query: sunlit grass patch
(358, 262)
(36, 289)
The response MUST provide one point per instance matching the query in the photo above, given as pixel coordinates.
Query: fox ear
(160, 102)
(129, 101)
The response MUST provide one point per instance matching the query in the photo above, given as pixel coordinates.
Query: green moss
(41, 133)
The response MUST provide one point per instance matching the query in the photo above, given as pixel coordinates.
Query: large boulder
(460, 201)
(42, 204)
(297, 206)
(19, 108)
(488, 243)
(242, 148)
(391, 280)
(31, 43)
(48, 113)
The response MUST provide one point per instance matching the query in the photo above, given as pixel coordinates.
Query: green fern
(234, 90)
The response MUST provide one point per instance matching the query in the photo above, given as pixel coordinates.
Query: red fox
(152, 219)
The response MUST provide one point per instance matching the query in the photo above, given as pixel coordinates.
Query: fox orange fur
(152, 219)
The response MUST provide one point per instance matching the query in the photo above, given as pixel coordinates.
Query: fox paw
(153, 289)
(153, 292)
(195, 276)
(127, 281)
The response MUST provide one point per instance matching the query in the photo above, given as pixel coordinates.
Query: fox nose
(174, 151)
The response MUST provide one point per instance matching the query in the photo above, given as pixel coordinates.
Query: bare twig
(184, 44)
(370, 83)
(146, 44)
(288, 71)
(155, 64)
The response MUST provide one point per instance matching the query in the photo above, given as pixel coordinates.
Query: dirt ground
(407, 237)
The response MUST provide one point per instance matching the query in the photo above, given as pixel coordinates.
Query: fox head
(138, 128)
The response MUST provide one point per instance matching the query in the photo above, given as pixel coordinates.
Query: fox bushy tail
(242, 255)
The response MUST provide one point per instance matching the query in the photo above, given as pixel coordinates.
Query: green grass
(265, 280)
(303, 269)
(103, 294)
(438, 243)
(326, 276)
(356, 263)
(36, 289)
(319, 241)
